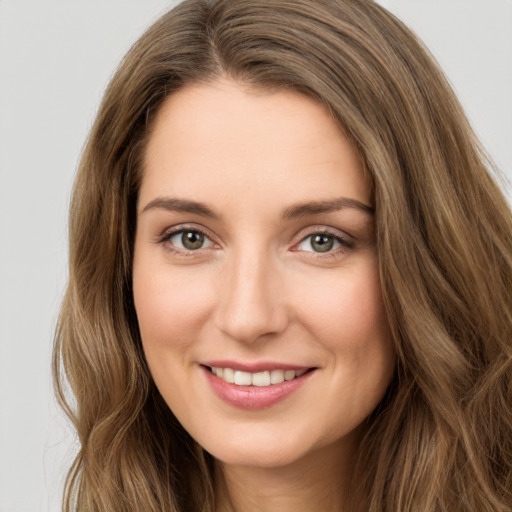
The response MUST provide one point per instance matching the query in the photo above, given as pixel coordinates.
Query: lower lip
(254, 397)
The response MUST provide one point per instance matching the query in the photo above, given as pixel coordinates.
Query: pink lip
(253, 397)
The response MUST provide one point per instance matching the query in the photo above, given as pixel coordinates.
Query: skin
(259, 290)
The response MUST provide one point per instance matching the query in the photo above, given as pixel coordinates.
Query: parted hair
(441, 439)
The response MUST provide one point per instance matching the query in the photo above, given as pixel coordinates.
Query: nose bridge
(251, 302)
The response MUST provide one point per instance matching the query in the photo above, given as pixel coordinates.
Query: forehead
(223, 139)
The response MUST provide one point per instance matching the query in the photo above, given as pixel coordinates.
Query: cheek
(170, 309)
(170, 306)
(346, 316)
(346, 312)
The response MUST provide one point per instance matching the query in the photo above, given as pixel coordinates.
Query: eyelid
(324, 230)
(169, 232)
(347, 241)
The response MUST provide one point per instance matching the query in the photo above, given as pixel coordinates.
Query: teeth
(229, 375)
(260, 379)
(276, 376)
(289, 375)
(243, 378)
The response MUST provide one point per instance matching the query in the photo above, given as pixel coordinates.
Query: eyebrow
(292, 212)
(318, 207)
(181, 205)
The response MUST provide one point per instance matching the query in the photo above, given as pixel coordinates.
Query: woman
(289, 274)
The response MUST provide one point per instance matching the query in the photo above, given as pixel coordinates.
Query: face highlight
(255, 275)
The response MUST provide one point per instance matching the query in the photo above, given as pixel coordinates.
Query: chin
(265, 448)
(258, 449)
(265, 458)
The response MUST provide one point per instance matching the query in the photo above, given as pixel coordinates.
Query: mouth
(263, 387)
(259, 379)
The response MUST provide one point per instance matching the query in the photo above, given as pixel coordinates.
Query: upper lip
(254, 367)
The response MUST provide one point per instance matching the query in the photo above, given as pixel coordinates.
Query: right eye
(188, 240)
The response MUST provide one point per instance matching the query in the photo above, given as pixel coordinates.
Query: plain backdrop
(56, 57)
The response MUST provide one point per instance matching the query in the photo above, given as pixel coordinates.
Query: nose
(251, 305)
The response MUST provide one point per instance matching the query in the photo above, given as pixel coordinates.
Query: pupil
(322, 243)
(192, 240)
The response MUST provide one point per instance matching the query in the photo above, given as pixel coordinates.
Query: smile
(260, 379)
(257, 389)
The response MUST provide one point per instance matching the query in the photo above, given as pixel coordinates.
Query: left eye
(319, 242)
(190, 240)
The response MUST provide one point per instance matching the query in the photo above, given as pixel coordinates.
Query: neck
(318, 481)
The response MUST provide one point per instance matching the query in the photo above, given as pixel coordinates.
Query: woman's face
(255, 275)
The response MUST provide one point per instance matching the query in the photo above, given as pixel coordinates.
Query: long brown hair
(441, 440)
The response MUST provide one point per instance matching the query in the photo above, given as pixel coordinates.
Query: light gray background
(56, 57)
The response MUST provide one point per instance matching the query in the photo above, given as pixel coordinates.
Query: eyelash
(345, 243)
(166, 237)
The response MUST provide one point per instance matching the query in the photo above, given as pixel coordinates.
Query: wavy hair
(441, 440)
